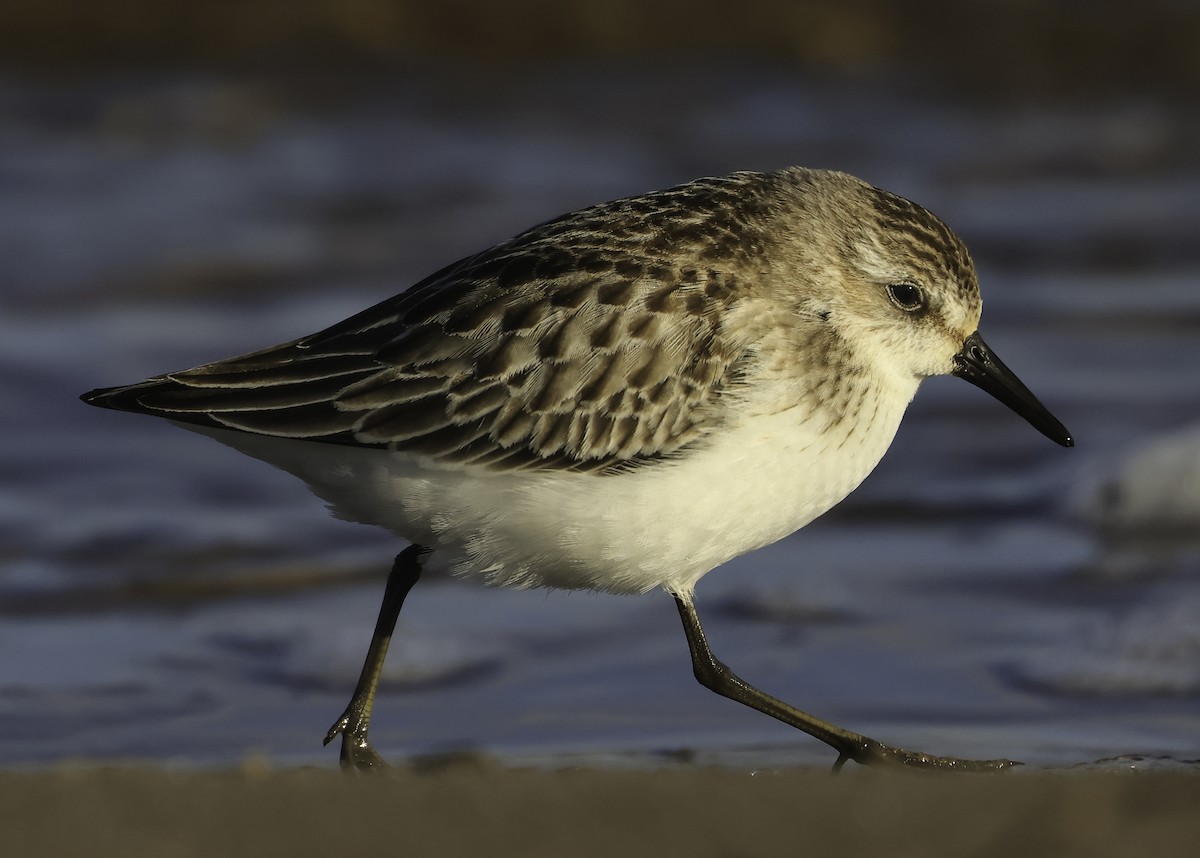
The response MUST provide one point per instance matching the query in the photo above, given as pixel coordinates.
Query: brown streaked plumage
(549, 350)
(621, 398)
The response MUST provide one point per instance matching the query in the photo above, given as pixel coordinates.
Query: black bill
(979, 365)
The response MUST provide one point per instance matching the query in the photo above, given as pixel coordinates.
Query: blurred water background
(181, 183)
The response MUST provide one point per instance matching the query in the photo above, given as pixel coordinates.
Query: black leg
(357, 752)
(716, 676)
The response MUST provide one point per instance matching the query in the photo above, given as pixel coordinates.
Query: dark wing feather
(592, 342)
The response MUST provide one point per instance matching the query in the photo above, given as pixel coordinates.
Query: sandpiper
(619, 399)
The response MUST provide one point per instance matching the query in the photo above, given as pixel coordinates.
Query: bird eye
(906, 296)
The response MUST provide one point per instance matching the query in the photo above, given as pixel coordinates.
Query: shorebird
(619, 399)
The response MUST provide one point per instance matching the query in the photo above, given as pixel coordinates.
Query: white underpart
(762, 476)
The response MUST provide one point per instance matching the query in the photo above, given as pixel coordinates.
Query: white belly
(663, 524)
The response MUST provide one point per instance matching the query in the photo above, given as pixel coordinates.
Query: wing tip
(106, 397)
(126, 397)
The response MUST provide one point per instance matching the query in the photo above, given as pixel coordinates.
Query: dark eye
(906, 296)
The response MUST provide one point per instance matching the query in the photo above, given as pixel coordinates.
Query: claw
(340, 726)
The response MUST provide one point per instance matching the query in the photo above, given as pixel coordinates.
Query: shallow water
(164, 598)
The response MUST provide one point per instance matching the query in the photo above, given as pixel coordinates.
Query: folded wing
(526, 356)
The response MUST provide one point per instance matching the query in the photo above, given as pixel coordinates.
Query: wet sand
(478, 807)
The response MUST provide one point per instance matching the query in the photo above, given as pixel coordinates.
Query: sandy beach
(475, 806)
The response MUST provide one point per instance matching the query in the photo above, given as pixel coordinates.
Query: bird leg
(357, 752)
(714, 675)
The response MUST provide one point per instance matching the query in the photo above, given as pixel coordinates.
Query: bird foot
(357, 755)
(868, 752)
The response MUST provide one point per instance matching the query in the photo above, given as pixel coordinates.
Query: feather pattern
(571, 346)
